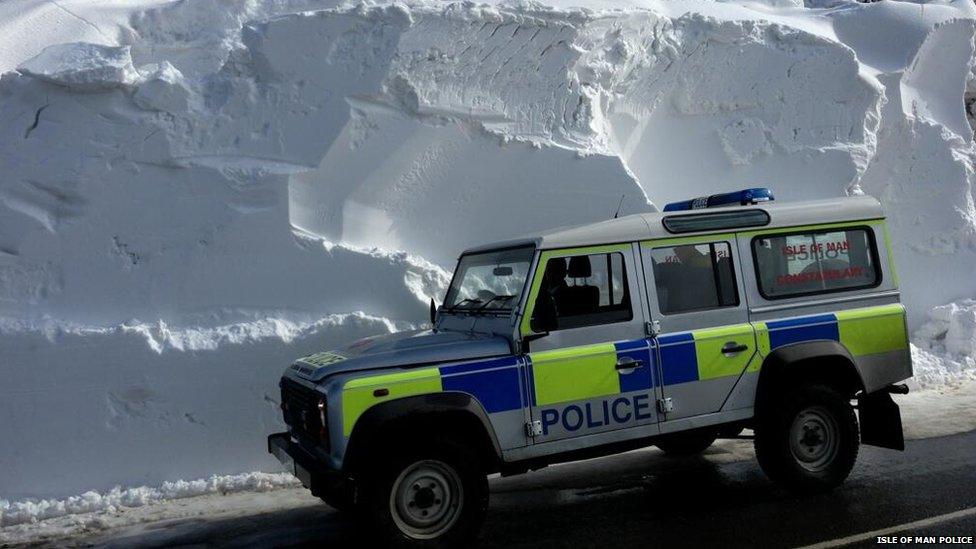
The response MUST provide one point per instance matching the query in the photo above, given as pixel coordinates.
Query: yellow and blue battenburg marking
(587, 372)
(863, 331)
(493, 382)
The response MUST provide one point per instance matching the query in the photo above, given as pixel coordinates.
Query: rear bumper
(313, 474)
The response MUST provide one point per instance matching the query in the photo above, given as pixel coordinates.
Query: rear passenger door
(705, 341)
(593, 371)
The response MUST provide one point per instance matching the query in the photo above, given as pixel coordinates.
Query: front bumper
(313, 474)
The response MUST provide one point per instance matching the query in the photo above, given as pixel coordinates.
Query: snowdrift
(200, 191)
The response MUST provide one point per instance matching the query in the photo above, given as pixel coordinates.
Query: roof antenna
(616, 213)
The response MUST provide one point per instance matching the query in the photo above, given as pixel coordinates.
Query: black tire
(391, 502)
(807, 441)
(686, 444)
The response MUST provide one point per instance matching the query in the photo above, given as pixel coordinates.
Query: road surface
(643, 499)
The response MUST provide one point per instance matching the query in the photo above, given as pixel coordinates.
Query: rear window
(811, 262)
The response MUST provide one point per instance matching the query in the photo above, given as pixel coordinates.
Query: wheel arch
(395, 420)
(820, 361)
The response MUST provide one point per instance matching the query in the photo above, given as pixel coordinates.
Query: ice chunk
(83, 67)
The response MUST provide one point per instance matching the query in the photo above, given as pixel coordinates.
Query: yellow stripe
(873, 330)
(576, 373)
(357, 394)
(708, 350)
(762, 344)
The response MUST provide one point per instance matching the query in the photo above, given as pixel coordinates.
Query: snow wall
(201, 191)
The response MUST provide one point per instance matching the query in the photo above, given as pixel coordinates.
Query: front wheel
(808, 440)
(434, 497)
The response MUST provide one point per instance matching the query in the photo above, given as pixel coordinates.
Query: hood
(418, 347)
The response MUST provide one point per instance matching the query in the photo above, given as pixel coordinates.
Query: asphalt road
(644, 499)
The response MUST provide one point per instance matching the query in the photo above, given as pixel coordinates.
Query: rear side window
(811, 262)
(582, 290)
(694, 277)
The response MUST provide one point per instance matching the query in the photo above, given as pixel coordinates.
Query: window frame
(627, 291)
(875, 259)
(735, 280)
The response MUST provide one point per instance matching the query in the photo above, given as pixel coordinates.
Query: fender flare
(376, 417)
(777, 365)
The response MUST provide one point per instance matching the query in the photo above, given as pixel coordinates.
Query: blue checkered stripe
(494, 382)
(640, 379)
(804, 328)
(679, 356)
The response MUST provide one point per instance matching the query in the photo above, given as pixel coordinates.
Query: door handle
(627, 363)
(733, 347)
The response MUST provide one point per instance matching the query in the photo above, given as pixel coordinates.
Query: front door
(705, 341)
(594, 371)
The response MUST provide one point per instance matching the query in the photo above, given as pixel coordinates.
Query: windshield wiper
(490, 301)
(462, 302)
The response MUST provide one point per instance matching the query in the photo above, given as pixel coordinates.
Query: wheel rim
(426, 499)
(814, 440)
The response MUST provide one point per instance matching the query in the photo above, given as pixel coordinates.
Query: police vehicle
(672, 329)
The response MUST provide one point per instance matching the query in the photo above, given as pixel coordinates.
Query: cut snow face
(195, 193)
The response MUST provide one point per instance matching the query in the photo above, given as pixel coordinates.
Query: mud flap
(880, 421)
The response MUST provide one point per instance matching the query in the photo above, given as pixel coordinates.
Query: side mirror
(433, 313)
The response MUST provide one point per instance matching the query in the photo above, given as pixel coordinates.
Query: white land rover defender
(672, 329)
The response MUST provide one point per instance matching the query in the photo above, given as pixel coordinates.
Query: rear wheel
(433, 497)
(808, 440)
(686, 444)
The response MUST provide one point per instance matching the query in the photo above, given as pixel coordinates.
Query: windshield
(489, 281)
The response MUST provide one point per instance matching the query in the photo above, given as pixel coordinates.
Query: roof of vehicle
(649, 226)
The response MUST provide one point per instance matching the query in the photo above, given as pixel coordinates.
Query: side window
(815, 262)
(582, 290)
(694, 277)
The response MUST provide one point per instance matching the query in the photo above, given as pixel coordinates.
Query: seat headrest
(579, 267)
(555, 270)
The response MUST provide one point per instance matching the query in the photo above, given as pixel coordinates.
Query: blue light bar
(741, 198)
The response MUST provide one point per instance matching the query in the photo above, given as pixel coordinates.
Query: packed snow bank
(135, 404)
(211, 188)
(946, 350)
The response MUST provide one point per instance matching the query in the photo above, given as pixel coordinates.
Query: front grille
(300, 406)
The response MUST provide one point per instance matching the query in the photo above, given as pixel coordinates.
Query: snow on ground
(210, 504)
(195, 192)
(932, 413)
